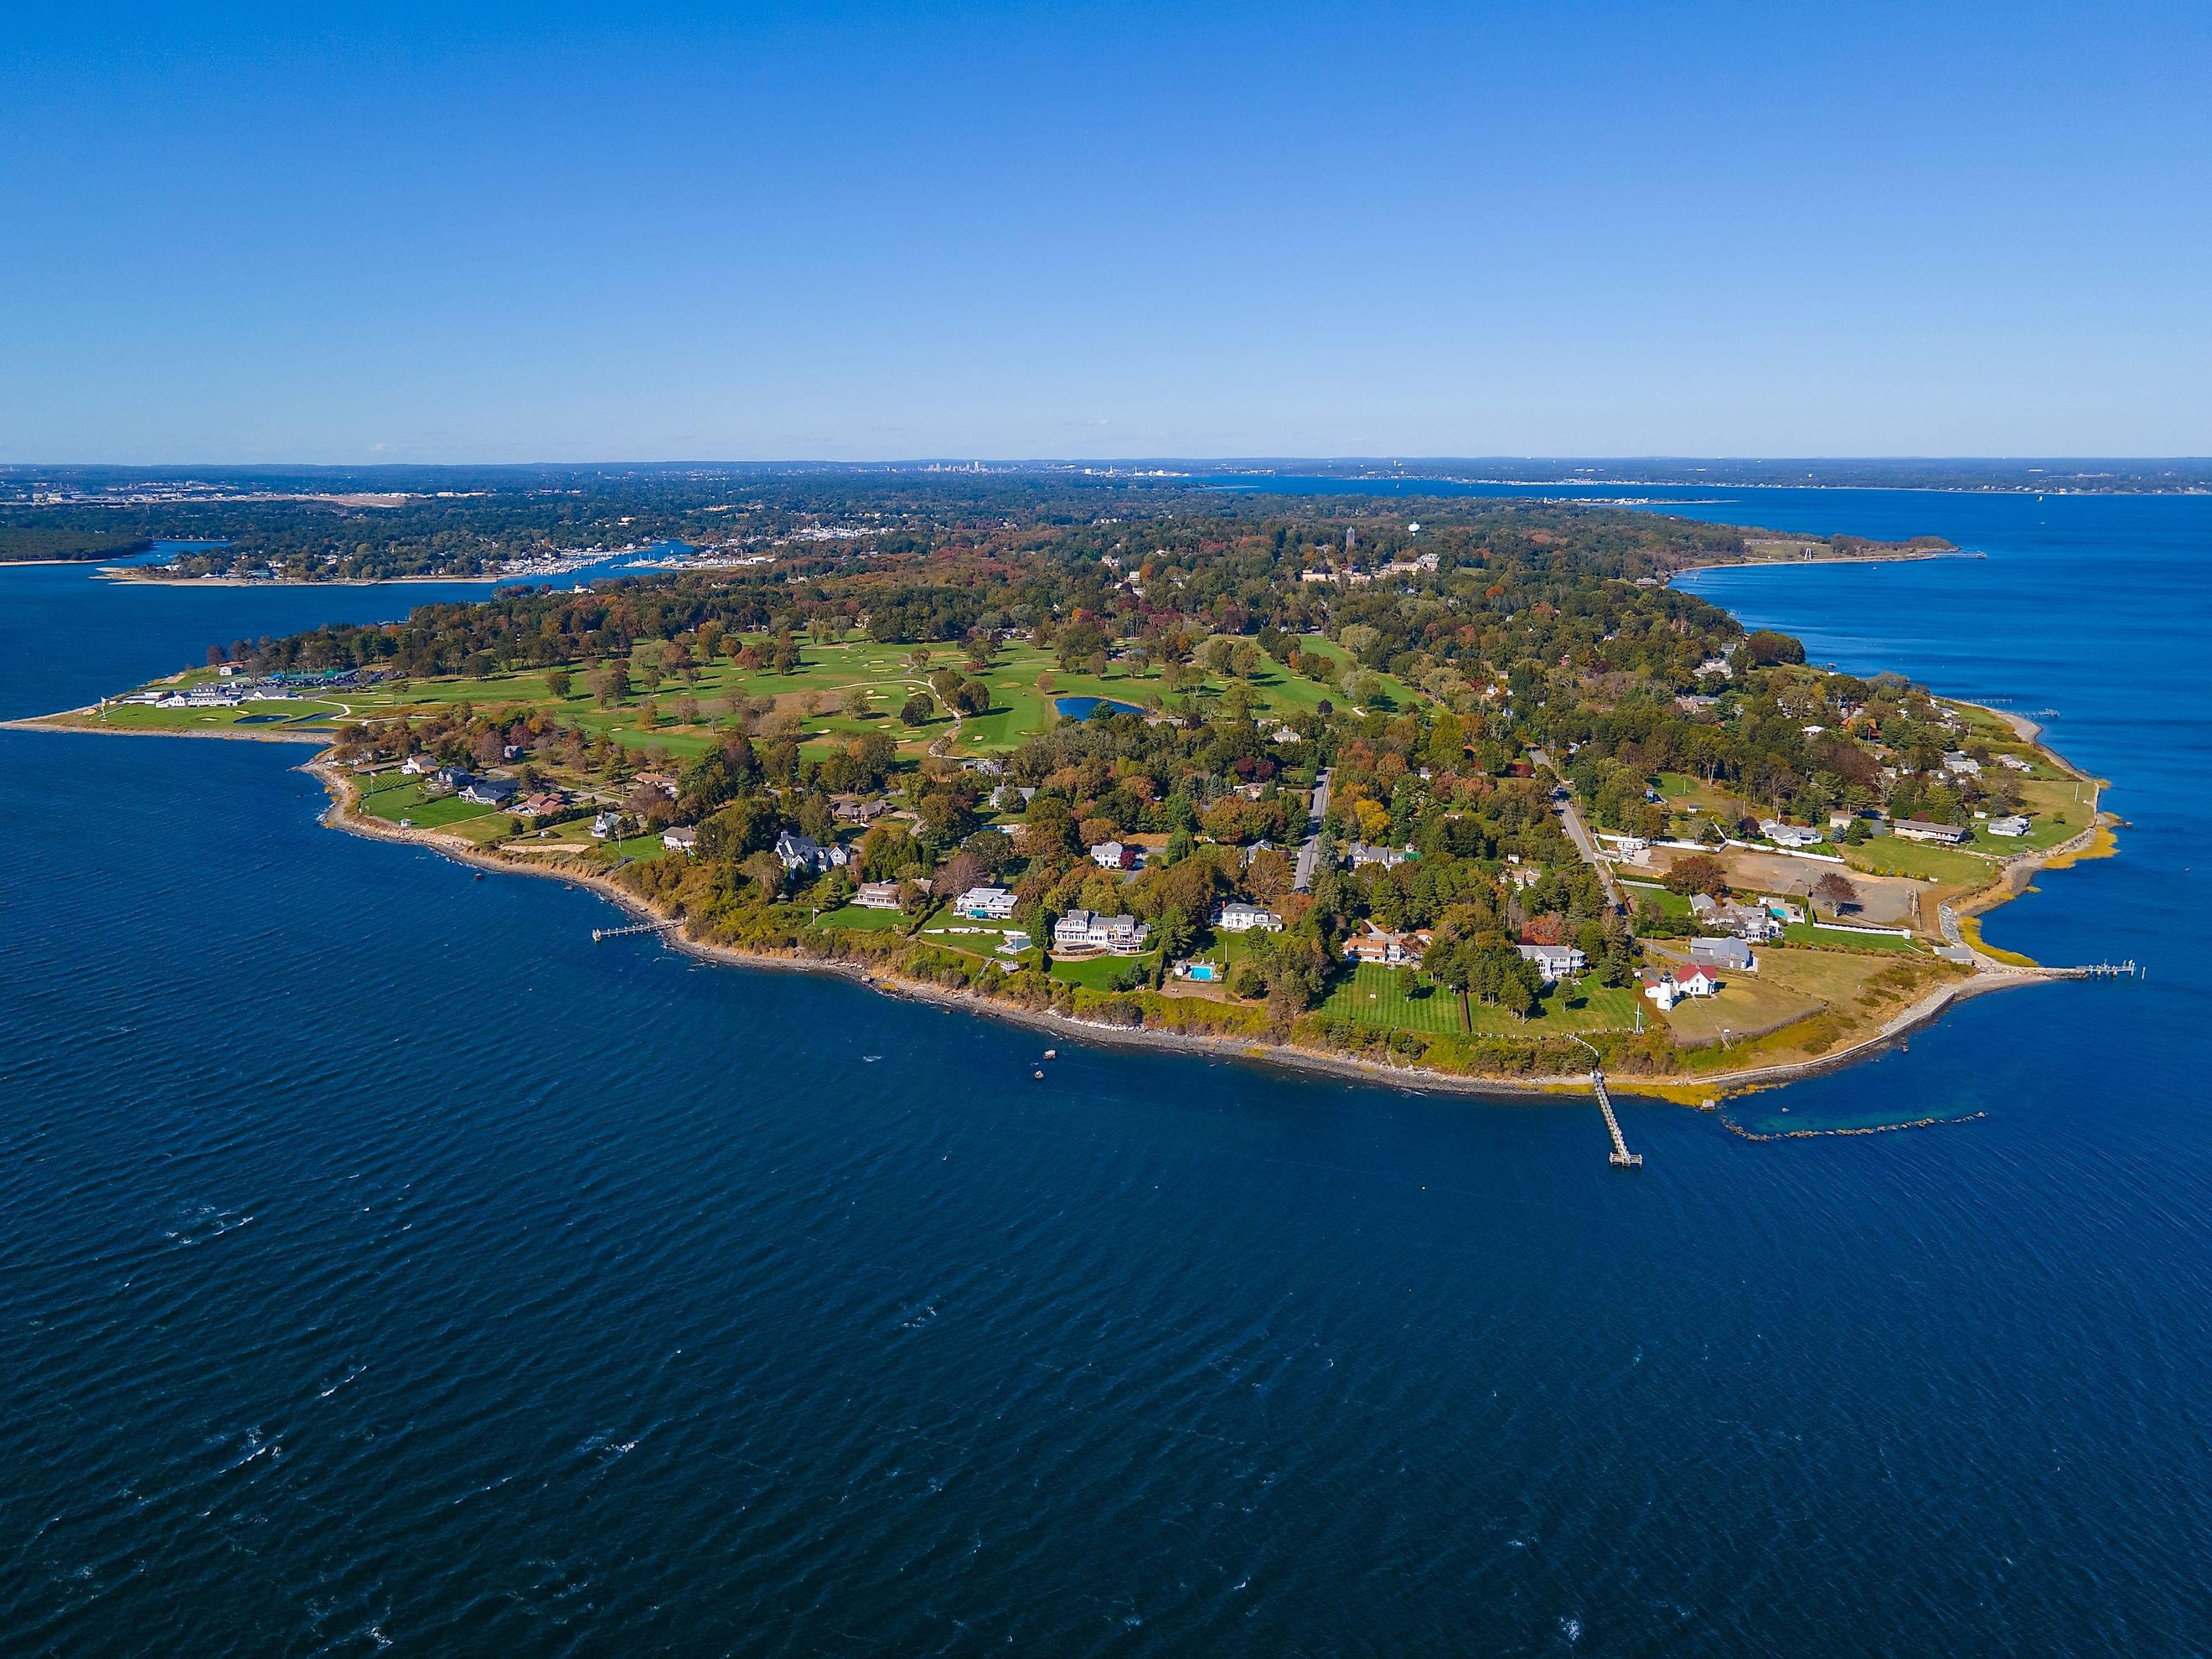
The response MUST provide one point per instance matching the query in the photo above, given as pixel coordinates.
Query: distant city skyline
(1104, 232)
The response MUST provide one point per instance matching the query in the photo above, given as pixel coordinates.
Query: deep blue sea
(383, 1265)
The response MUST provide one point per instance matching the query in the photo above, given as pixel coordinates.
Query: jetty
(1620, 1158)
(599, 934)
(2102, 970)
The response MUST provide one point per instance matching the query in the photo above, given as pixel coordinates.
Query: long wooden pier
(1621, 1157)
(599, 934)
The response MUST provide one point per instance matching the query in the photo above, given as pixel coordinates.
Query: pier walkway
(1621, 1157)
(599, 934)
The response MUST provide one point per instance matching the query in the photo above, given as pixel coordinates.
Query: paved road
(1309, 854)
(1585, 843)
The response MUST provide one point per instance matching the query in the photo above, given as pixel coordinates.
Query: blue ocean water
(384, 1264)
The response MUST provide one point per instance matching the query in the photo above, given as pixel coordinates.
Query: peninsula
(1458, 788)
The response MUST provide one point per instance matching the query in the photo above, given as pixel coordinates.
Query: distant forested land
(32, 543)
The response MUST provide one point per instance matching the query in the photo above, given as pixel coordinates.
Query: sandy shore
(1832, 558)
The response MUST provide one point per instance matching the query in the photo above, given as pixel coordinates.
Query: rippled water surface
(382, 1263)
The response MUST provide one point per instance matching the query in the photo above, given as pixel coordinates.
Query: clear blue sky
(1064, 229)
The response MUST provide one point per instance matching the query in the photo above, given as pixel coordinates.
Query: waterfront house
(490, 792)
(1239, 917)
(606, 825)
(543, 804)
(1554, 961)
(680, 838)
(986, 904)
(877, 896)
(797, 852)
(1381, 948)
(1700, 981)
(2012, 825)
(1085, 930)
(415, 766)
(1945, 834)
(450, 778)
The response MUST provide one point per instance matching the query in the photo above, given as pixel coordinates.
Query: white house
(415, 766)
(1946, 835)
(490, 792)
(680, 838)
(1112, 855)
(1084, 930)
(1389, 857)
(1239, 917)
(986, 904)
(606, 825)
(797, 852)
(877, 896)
(2011, 825)
(1962, 765)
(1788, 835)
(1555, 962)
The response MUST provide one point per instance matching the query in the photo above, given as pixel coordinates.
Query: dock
(1620, 1158)
(599, 934)
(2105, 971)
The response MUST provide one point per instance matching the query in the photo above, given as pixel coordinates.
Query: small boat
(1051, 1054)
(1039, 1076)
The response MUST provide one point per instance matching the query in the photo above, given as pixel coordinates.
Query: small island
(1466, 796)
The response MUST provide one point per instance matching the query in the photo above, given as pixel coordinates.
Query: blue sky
(869, 231)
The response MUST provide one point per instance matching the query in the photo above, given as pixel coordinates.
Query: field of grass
(1746, 1003)
(395, 801)
(1667, 903)
(252, 717)
(1893, 855)
(855, 919)
(1804, 932)
(1369, 996)
(1096, 973)
(814, 692)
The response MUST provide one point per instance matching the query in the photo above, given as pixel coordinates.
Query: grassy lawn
(814, 693)
(1667, 903)
(1746, 1003)
(252, 717)
(977, 938)
(405, 800)
(1096, 973)
(1803, 932)
(1893, 855)
(859, 920)
(1368, 995)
